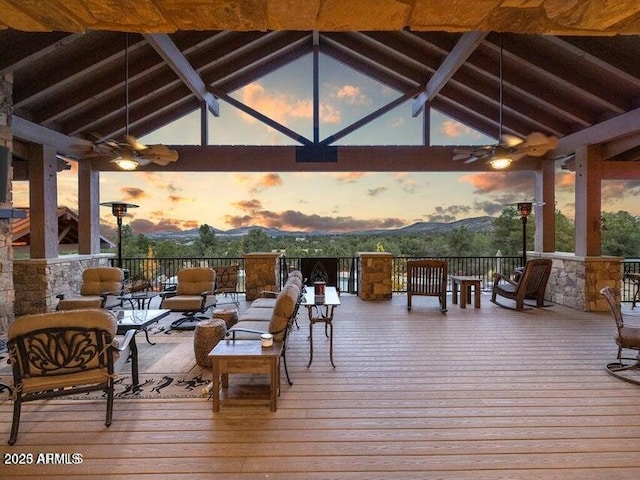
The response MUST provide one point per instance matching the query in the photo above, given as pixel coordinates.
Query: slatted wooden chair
(627, 338)
(532, 284)
(428, 278)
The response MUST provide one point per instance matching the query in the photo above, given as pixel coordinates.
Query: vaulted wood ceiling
(74, 83)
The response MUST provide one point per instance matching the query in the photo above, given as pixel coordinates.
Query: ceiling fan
(510, 147)
(130, 153)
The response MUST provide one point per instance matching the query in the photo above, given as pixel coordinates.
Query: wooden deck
(473, 394)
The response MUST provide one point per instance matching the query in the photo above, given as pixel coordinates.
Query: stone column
(7, 289)
(376, 275)
(39, 280)
(261, 273)
(576, 281)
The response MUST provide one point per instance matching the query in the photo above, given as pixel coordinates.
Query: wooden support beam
(181, 66)
(545, 208)
(588, 202)
(456, 58)
(43, 202)
(88, 209)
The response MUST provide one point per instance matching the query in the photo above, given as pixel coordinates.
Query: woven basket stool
(230, 317)
(207, 335)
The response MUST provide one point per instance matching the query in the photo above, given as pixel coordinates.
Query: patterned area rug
(167, 369)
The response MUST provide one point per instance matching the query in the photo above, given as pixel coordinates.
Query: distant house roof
(67, 229)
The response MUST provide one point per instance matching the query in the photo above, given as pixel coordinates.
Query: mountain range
(476, 224)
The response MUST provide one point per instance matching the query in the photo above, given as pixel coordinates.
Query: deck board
(473, 394)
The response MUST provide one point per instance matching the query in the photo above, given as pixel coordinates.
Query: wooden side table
(465, 284)
(245, 356)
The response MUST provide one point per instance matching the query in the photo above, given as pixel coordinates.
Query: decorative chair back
(195, 280)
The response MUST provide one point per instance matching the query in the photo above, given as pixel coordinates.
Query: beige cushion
(98, 318)
(99, 280)
(265, 302)
(75, 303)
(183, 302)
(283, 310)
(194, 281)
(256, 315)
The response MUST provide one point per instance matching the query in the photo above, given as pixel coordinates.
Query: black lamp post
(524, 209)
(118, 209)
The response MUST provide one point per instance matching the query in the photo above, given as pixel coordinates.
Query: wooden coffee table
(245, 356)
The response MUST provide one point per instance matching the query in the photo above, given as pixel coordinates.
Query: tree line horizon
(620, 237)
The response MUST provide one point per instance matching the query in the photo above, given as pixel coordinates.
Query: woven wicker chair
(627, 338)
(64, 353)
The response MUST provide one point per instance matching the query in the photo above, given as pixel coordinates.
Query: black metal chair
(195, 293)
(627, 338)
(64, 353)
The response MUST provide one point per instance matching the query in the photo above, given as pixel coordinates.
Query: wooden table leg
(273, 399)
(476, 287)
(215, 367)
(464, 294)
(454, 292)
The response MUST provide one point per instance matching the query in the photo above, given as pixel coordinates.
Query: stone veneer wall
(576, 281)
(376, 273)
(39, 280)
(262, 273)
(7, 289)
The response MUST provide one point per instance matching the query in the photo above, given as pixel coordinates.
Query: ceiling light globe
(126, 163)
(500, 163)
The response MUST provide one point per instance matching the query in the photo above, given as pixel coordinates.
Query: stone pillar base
(576, 281)
(376, 272)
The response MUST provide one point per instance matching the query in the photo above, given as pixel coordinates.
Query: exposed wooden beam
(264, 119)
(249, 158)
(32, 132)
(181, 66)
(614, 128)
(458, 56)
(368, 118)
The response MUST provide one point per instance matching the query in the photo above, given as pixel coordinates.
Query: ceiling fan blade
(510, 140)
(135, 143)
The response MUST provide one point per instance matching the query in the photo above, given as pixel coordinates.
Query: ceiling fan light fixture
(126, 163)
(500, 163)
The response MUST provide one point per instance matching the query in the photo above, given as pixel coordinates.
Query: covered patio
(570, 75)
(477, 393)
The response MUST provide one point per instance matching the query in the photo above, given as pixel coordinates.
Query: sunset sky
(351, 201)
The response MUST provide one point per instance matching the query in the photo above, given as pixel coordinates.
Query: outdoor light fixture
(524, 209)
(119, 209)
(126, 163)
(500, 163)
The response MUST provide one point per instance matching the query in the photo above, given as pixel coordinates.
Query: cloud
(296, 220)
(374, 192)
(133, 193)
(256, 184)
(352, 95)
(179, 199)
(141, 225)
(613, 191)
(484, 183)
(283, 107)
(248, 205)
(448, 214)
(349, 177)
(453, 129)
